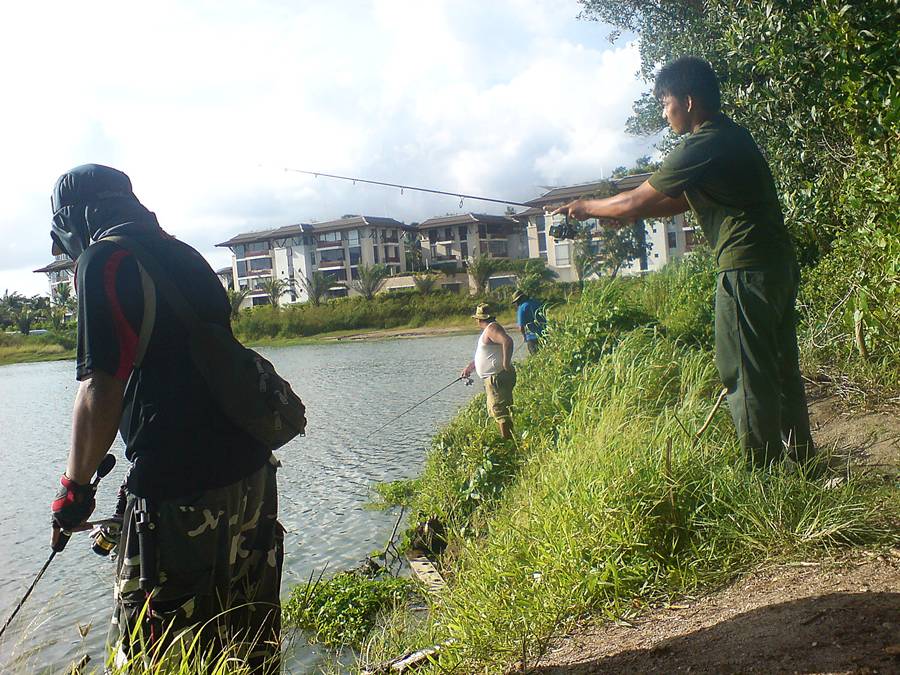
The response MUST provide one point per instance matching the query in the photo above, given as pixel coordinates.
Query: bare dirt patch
(812, 617)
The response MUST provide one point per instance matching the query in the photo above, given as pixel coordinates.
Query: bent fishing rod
(411, 408)
(106, 465)
(461, 196)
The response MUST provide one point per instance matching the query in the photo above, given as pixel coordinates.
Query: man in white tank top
(493, 364)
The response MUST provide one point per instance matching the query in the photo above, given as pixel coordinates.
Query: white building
(448, 242)
(668, 238)
(336, 248)
(60, 271)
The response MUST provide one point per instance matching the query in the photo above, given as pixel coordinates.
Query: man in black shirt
(206, 485)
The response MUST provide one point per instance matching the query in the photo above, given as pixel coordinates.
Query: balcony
(324, 245)
(331, 265)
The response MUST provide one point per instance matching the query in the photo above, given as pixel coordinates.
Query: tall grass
(17, 348)
(607, 501)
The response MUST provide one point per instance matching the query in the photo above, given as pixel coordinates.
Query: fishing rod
(354, 179)
(393, 419)
(106, 465)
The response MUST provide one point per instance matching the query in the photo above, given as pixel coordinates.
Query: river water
(349, 389)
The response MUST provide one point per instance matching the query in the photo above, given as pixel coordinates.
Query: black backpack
(243, 383)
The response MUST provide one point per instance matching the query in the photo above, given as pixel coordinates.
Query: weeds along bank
(18, 348)
(386, 310)
(608, 501)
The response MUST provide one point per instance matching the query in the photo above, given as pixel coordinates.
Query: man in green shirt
(718, 172)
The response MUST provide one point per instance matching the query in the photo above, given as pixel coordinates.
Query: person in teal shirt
(719, 173)
(530, 319)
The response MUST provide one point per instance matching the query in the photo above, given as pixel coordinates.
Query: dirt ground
(812, 617)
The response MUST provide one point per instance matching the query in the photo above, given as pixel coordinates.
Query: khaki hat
(518, 297)
(483, 312)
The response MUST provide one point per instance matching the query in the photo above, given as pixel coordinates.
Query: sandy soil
(813, 617)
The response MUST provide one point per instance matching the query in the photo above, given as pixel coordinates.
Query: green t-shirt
(729, 187)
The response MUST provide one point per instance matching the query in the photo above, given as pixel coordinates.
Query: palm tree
(584, 260)
(480, 270)
(316, 287)
(274, 288)
(425, 282)
(369, 280)
(236, 299)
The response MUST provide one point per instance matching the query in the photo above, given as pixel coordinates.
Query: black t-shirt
(178, 440)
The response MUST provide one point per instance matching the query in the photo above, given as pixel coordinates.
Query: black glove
(73, 505)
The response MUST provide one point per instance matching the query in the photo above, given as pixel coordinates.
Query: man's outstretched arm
(644, 201)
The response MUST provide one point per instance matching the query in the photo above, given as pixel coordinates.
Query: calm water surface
(349, 389)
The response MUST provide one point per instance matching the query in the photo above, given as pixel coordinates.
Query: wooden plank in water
(423, 567)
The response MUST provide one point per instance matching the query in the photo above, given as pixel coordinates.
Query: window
(260, 264)
(463, 232)
(482, 230)
(448, 234)
(331, 255)
(355, 255)
(375, 253)
(391, 254)
(238, 250)
(353, 237)
(390, 235)
(242, 268)
(257, 247)
(336, 275)
(328, 238)
(496, 248)
(562, 253)
(464, 249)
(539, 223)
(542, 245)
(672, 239)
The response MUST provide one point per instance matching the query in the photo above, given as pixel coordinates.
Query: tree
(316, 287)
(480, 270)
(619, 247)
(369, 280)
(584, 257)
(25, 318)
(425, 282)
(275, 288)
(236, 299)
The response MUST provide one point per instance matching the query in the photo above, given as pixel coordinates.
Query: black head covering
(92, 201)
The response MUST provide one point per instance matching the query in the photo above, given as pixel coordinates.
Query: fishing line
(461, 196)
(411, 408)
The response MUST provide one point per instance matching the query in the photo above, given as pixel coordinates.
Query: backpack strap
(161, 280)
(149, 319)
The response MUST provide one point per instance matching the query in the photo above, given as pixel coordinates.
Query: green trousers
(758, 361)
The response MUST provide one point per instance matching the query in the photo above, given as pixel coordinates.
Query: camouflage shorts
(219, 555)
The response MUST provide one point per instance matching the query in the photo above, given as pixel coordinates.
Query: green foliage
(395, 493)
(343, 610)
(583, 513)
(370, 279)
(235, 298)
(617, 248)
(275, 288)
(480, 270)
(316, 287)
(425, 282)
(385, 310)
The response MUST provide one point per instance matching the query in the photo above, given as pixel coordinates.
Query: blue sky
(203, 103)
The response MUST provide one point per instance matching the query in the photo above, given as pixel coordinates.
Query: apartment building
(448, 241)
(668, 238)
(60, 271)
(336, 248)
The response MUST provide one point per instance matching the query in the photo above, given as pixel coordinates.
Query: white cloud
(203, 104)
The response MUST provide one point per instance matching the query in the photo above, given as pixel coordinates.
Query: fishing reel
(106, 533)
(565, 230)
(467, 380)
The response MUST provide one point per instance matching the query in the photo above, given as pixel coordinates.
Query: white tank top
(488, 357)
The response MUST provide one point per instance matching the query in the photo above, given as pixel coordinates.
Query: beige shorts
(499, 391)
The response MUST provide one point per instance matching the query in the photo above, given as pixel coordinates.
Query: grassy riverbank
(608, 501)
(17, 348)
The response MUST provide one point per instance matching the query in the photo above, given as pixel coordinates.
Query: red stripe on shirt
(128, 339)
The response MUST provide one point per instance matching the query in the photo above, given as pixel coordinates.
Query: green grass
(588, 513)
(17, 348)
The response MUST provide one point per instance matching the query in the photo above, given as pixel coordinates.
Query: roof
(308, 228)
(567, 193)
(57, 265)
(267, 235)
(465, 219)
(224, 270)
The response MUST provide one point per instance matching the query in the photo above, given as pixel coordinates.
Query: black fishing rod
(411, 408)
(106, 465)
(461, 196)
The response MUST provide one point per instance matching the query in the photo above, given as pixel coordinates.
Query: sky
(205, 103)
